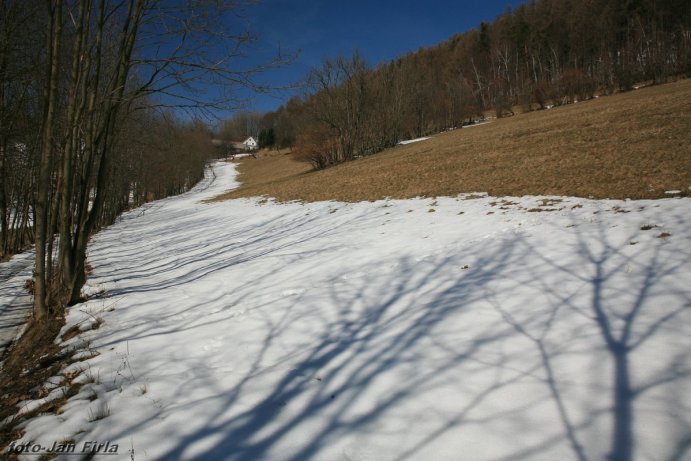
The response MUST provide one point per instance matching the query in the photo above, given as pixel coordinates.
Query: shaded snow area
(468, 328)
(15, 301)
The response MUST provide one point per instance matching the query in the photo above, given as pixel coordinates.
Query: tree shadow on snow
(605, 303)
(622, 297)
(377, 334)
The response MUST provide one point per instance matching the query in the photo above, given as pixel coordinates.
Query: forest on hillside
(544, 52)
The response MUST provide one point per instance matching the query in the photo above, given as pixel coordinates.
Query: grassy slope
(635, 145)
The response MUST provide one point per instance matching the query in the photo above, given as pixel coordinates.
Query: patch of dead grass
(632, 145)
(269, 171)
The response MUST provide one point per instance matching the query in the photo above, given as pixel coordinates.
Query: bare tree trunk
(4, 231)
(100, 144)
(75, 106)
(43, 187)
(480, 86)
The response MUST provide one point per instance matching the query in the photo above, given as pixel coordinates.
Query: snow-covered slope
(430, 329)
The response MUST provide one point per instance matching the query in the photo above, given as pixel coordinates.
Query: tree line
(99, 106)
(544, 52)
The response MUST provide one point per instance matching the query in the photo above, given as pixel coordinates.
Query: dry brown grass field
(631, 145)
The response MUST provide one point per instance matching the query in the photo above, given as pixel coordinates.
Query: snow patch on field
(246, 330)
(411, 141)
(477, 124)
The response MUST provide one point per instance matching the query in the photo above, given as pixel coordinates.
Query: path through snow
(15, 302)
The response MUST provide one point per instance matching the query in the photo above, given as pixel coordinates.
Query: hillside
(630, 145)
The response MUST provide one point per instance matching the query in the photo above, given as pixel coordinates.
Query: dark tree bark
(53, 44)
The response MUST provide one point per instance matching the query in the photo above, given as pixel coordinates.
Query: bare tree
(104, 63)
(47, 150)
(241, 125)
(18, 83)
(339, 103)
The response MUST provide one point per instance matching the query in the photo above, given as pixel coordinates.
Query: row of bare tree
(89, 92)
(545, 52)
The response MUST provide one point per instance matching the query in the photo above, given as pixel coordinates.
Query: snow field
(244, 330)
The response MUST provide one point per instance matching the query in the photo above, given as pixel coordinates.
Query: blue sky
(380, 30)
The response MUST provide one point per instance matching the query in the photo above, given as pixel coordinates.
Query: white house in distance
(248, 144)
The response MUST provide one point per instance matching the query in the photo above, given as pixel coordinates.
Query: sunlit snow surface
(247, 330)
(411, 141)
